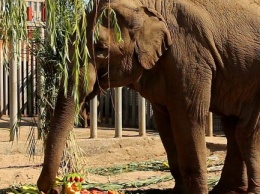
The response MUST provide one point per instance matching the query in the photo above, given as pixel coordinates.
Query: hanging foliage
(13, 19)
(67, 18)
(13, 29)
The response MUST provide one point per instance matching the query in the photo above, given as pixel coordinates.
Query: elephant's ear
(152, 39)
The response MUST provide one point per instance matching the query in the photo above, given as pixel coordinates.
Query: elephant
(187, 57)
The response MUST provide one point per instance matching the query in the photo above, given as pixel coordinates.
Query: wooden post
(93, 118)
(118, 112)
(13, 88)
(209, 129)
(141, 115)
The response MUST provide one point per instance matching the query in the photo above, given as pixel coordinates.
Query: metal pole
(25, 78)
(141, 115)
(118, 112)
(209, 129)
(1, 80)
(29, 83)
(93, 117)
(13, 88)
(19, 78)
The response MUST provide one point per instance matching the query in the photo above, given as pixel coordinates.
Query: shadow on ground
(4, 191)
(149, 191)
(30, 121)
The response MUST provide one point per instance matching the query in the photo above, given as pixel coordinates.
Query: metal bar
(1, 80)
(209, 129)
(141, 115)
(29, 82)
(34, 80)
(25, 79)
(93, 118)
(6, 91)
(19, 76)
(13, 88)
(118, 112)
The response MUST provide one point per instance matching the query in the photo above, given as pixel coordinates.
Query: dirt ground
(16, 167)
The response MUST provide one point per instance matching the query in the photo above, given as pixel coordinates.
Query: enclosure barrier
(119, 117)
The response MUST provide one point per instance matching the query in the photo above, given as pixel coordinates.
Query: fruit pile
(69, 184)
(72, 184)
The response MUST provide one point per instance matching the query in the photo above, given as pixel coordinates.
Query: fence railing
(26, 84)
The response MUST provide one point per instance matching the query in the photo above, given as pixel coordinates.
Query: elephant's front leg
(189, 135)
(163, 124)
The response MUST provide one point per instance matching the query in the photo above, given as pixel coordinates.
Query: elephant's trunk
(60, 126)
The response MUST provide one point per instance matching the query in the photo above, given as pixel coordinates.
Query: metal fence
(26, 83)
(129, 109)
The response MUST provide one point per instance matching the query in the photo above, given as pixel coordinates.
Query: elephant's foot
(56, 190)
(179, 188)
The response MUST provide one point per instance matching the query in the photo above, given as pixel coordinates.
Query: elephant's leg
(248, 138)
(163, 124)
(233, 177)
(189, 135)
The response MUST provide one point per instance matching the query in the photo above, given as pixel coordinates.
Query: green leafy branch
(12, 24)
(109, 14)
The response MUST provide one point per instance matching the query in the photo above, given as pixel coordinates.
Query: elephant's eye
(101, 51)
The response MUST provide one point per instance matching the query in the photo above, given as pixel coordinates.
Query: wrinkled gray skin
(187, 57)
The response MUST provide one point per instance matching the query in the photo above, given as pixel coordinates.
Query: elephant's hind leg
(233, 178)
(248, 138)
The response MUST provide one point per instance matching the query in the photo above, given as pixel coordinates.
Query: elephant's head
(145, 37)
(112, 64)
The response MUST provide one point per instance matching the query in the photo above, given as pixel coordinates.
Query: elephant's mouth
(96, 90)
(98, 85)
(104, 80)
